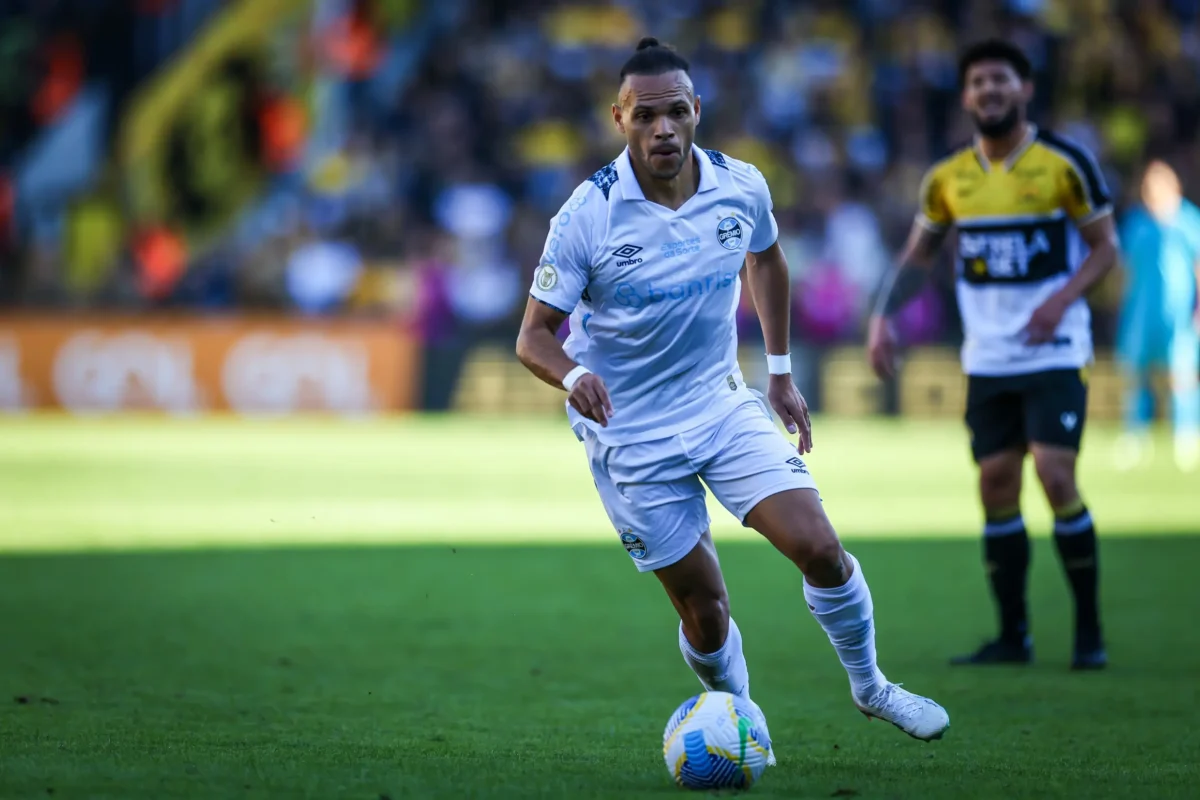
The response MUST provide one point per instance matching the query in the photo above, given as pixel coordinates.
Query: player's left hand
(1045, 320)
(790, 406)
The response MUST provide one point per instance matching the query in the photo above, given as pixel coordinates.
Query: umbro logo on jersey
(626, 253)
(797, 465)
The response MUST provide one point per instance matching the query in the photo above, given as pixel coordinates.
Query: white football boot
(760, 720)
(919, 717)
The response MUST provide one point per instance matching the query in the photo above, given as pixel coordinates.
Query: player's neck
(671, 193)
(1001, 147)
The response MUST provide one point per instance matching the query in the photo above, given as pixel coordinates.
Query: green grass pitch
(439, 608)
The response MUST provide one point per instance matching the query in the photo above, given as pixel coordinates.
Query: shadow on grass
(549, 671)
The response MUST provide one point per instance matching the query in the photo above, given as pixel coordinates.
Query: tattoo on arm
(905, 283)
(906, 280)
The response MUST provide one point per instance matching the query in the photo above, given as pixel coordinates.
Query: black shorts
(1012, 411)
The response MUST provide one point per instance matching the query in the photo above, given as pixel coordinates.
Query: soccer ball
(713, 742)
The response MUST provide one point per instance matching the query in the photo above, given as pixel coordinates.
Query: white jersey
(653, 293)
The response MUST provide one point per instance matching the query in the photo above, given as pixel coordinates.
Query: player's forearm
(542, 354)
(1099, 262)
(912, 270)
(902, 284)
(771, 290)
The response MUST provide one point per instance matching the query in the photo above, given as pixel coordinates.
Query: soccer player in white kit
(645, 258)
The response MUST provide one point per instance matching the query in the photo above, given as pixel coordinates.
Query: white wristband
(573, 376)
(779, 365)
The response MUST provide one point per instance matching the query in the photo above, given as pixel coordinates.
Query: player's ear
(1027, 91)
(618, 121)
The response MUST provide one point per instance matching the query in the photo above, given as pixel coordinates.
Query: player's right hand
(881, 347)
(589, 397)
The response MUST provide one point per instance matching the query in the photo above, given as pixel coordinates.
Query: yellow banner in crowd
(931, 385)
(188, 365)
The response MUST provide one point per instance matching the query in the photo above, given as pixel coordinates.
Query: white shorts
(652, 490)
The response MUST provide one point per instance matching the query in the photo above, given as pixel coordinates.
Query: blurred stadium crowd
(404, 158)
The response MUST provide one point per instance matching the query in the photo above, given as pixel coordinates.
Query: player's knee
(1000, 487)
(825, 565)
(706, 620)
(1058, 481)
(811, 544)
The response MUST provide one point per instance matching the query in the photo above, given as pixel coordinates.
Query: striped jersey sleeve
(1085, 195)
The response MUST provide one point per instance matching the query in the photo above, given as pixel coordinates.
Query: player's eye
(680, 112)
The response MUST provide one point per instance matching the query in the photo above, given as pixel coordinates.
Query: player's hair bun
(647, 42)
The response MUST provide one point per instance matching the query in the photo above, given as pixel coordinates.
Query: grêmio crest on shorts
(652, 292)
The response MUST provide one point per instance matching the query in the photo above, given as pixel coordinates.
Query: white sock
(847, 615)
(722, 671)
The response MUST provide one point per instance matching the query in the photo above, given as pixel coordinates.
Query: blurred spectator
(435, 141)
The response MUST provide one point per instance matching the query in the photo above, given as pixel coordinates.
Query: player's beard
(1000, 127)
(668, 174)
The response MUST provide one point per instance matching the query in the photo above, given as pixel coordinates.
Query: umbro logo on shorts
(797, 465)
(626, 253)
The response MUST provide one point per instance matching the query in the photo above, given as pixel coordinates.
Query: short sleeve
(1085, 195)
(933, 213)
(565, 266)
(766, 229)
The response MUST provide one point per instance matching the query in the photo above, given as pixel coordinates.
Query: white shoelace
(904, 703)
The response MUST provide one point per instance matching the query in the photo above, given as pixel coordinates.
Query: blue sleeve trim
(549, 305)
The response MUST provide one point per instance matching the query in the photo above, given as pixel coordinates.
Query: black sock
(1075, 538)
(1006, 555)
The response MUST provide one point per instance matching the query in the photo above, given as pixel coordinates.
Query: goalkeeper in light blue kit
(1160, 323)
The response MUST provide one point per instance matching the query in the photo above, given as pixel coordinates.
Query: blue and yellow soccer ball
(713, 742)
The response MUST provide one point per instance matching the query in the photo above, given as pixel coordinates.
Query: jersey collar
(632, 190)
(1013, 157)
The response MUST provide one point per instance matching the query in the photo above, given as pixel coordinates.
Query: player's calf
(1076, 543)
(709, 639)
(834, 587)
(1006, 556)
(837, 595)
(697, 590)
(704, 621)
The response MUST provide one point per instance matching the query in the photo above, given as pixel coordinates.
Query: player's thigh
(795, 522)
(994, 416)
(653, 498)
(747, 459)
(1055, 405)
(756, 473)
